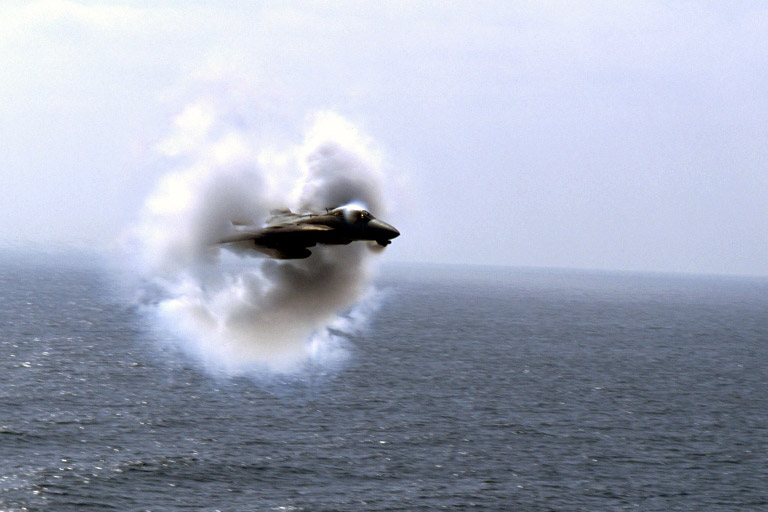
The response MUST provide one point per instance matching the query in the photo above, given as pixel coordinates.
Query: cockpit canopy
(353, 213)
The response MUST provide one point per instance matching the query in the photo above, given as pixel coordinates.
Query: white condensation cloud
(250, 315)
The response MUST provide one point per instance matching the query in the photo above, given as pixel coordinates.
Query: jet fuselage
(288, 235)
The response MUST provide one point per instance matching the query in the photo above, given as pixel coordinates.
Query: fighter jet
(287, 235)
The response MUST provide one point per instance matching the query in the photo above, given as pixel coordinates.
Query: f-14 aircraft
(287, 235)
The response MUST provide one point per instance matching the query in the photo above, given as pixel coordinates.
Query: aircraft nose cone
(383, 230)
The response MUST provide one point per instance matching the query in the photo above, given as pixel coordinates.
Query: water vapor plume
(236, 310)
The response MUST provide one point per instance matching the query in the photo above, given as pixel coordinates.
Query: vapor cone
(234, 309)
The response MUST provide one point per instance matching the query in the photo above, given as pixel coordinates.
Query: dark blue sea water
(475, 388)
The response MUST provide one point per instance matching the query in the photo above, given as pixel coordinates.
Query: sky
(603, 135)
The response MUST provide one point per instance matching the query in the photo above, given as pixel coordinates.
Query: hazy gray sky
(610, 135)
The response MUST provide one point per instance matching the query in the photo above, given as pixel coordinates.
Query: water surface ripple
(475, 388)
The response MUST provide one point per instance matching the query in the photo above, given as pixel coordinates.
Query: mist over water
(227, 304)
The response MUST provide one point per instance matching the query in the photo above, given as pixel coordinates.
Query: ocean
(473, 388)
